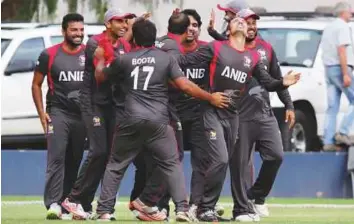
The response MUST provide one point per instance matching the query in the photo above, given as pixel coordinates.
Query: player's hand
(220, 100)
(212, 20)
(146, 15)
(291, 78)
(176, 11)
(130, 22)
(346, 80)
(45, 119)
(290, 118)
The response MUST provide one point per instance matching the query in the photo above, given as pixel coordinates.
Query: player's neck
(112, 38)
(71, 49)
(190, 46)
(238, 42)
(251, 44)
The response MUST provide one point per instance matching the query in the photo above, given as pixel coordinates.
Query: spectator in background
(338, 58)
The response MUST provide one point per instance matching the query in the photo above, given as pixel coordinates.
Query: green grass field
(311, 211)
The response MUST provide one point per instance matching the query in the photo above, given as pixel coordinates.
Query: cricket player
(232, 67)
(98, 113)
(257, 125)
(145, 73)
(156, 191)
(63, 65)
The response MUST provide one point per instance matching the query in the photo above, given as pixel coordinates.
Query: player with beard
(258, 125)
(232, 68)
(98, 113)
(230, 9)
(63, 64)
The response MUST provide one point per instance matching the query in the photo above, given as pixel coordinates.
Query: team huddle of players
(143, 100)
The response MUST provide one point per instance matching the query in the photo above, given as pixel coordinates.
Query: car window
(294, 47)
(56, 39)
(4, 44)
(28, 50)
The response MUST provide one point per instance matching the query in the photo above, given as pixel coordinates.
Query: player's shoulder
(265, 44)
(202, 43)
(95, 39)
(50, 51)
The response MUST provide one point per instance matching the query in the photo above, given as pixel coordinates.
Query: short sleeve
(174, 70)
(42, 63)
(344, 35)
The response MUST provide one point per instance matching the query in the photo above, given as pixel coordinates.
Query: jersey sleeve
(42, 62)
(203, 55)
(113, 70)
(276, 73)
(261, 74)
(216, 35)
(169, 46)
(174, 70)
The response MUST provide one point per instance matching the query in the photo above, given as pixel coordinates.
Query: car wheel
(302, 134)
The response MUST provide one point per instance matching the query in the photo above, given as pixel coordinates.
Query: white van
(296, 41)
(20, 49)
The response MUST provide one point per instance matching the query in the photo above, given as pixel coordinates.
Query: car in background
(296, 39)
(20, 49)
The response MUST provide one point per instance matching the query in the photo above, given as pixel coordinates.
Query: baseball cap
(116, 14)
(246, 13)
(233, 6)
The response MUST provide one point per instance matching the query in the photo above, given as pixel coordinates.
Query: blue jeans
(334, 91)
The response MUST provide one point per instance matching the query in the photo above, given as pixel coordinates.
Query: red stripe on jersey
(255, 58)
(126, 45)
(201, 42)
(267, 46)
(216, 45)
(52, 52)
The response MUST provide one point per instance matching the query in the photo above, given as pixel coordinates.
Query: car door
(19, 115)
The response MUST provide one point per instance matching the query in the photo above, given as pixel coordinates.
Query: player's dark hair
(178, 23)
(71, 17)
(144, 33)
(194, 14)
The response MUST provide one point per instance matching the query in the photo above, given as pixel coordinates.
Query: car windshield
(4, 44)
(293, 47)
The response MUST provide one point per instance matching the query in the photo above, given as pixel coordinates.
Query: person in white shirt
(338, 59)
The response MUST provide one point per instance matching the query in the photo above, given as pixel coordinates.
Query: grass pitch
(30, 210)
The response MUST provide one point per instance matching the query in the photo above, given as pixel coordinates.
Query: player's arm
(271, 84)
(88, 78)
(211, 30)
(203, 54)
(106, 71)
(180, 81)
(283, 95)
(128, 36)
(344, 40)
(276, 73)
(40, 72)
(216, 35)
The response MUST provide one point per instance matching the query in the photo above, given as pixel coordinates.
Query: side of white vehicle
(20, 51)
(310, 94)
